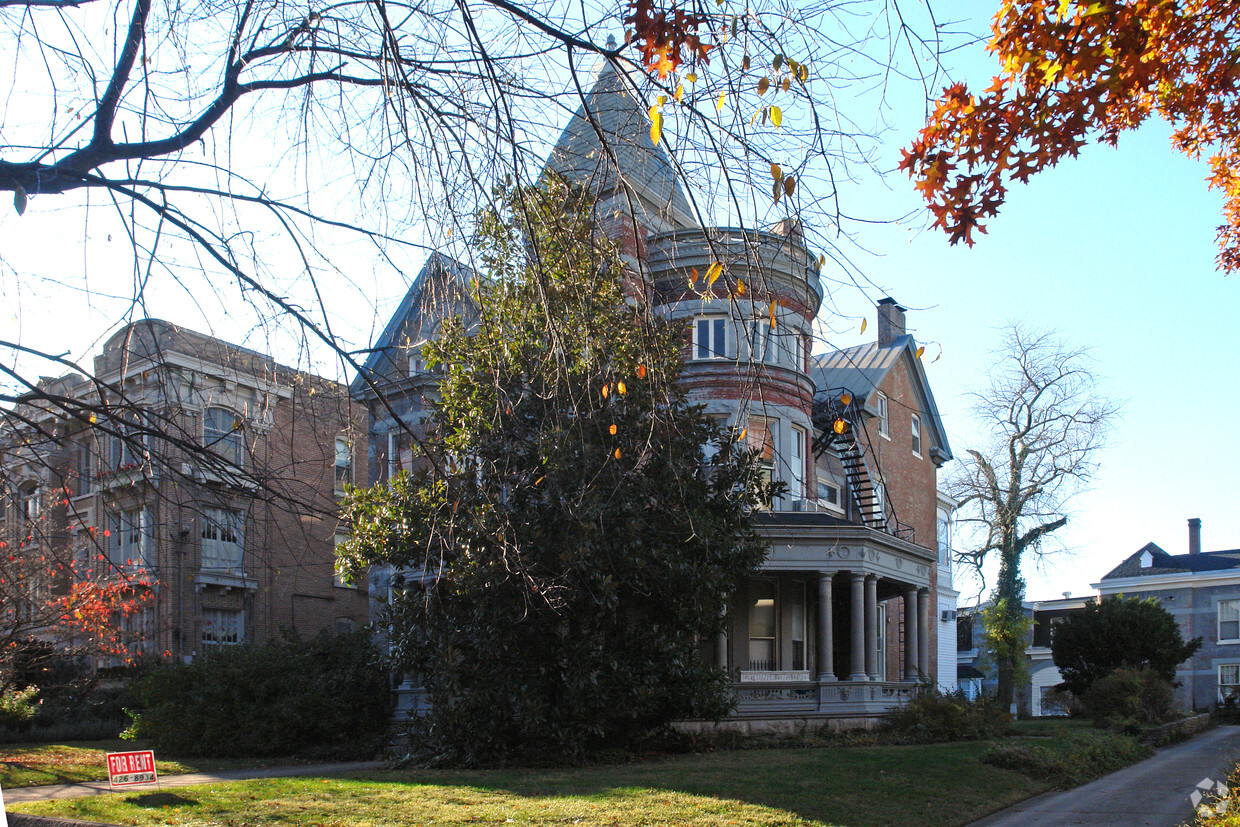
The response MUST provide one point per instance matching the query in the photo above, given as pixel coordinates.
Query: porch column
(826, 641)
(871, 626)
(857, 653)
(923, 632)
(721, 642)
(911, 636)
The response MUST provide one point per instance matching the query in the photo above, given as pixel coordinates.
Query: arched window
(223, 434)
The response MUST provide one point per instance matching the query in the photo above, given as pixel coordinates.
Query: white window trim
(219, 554)
(763, 343)
(717, 326)
(915, 434)
(884, 425)
(1219, 620)
(228, 445)
(796, 463)
(337, 466)
(838, 505)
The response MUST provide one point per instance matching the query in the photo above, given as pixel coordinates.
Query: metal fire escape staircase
(837, 423)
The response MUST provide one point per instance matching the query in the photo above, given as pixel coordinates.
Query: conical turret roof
(613, 108)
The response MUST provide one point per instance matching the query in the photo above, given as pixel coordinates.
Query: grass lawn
(35, 765)
(942, 784)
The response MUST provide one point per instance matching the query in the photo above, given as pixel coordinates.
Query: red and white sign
(126, 769)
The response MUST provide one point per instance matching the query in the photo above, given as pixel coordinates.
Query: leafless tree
(1043, 422)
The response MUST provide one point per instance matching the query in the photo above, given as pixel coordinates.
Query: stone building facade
(203, 472)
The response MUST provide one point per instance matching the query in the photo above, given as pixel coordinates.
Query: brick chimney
(890, 321)
(1194, 535)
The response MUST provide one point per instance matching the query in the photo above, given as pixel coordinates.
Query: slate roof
(861, 370)
(644, 169)
(1164, 563)
(438, 269)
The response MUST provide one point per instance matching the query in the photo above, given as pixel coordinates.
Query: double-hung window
(1228, 682)
(710, 337)
(129, 444)
(1229, 621)
(131, 539)
(916, 434)
(763, 346)
(344, 463)
(880, 402)
(796, 464)
(223, 539)
(85, 469)
(222, 435)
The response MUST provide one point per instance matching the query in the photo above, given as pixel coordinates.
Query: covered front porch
(837, 624)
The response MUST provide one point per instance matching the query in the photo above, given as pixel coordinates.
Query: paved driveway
(1153, 793)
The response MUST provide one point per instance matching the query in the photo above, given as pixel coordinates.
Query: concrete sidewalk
(1153, 793)
(13, 795)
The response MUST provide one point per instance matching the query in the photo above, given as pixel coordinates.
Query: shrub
(18, 707)
(1072, 760)
(1129, 699)
(934, 716)
(326, 697)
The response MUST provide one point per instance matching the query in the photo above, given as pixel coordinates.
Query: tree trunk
(1008, 626)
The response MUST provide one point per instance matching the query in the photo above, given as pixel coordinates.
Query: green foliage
(326, 697)
(1118, 632)
(577, 538)
(1070, 760)
(1007, 630)
(934, 716)
(18, 707)
(1129, 699)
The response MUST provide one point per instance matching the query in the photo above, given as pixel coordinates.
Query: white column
(871, 627)
(923, 632)
(826, 641)
(910, 633)
(857, 652)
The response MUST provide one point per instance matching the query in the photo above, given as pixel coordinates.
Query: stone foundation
(775, 727)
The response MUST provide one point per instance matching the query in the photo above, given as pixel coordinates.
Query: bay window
(223, 539)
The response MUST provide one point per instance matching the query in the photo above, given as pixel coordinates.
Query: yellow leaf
(863, 324)
(662, 99)
(845, 398)
(822, 261)
(777, 116)
(776, 172)
(622, 389)
(741, 436)
(617, 453)
(776, 191)
(920, 351)
(641, 371)
(763, 85)
(539, 480)
(713, 273)
(656, 125)
(606, 390)
(790, 185)
(740, 287)
(772, 314)
(691, 77)
(803, 73)
(693, 277)
(787, 84)
(613, 429)
(723, 97)
(680, 92)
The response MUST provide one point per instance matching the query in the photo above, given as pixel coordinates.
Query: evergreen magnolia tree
(578, 525)
(1118, 632)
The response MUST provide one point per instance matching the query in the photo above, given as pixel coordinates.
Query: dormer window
(1147, 560)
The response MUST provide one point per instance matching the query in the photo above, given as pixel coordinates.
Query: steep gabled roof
(1163, 563)
(613, 108)
(442, 283)
(862, 369)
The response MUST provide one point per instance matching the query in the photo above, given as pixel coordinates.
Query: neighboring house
(947, 597)
(843, 620)
(1201, 590)
(1037, 695)
(202, 471)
